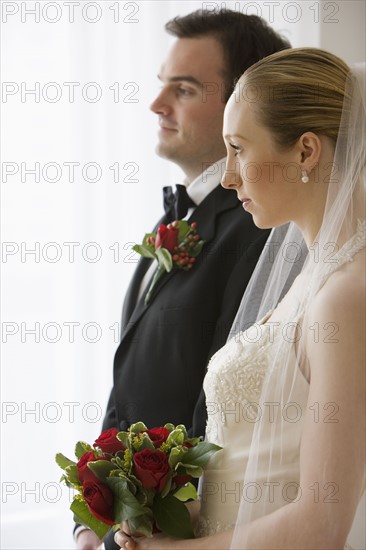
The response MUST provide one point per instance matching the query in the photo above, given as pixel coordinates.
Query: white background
(61, 303)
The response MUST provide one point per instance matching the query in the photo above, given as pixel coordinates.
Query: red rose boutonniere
(176, 245)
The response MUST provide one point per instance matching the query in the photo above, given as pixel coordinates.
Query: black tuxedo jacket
(165, 346)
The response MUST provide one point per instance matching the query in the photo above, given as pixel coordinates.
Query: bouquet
(175, 245)
(141, 476)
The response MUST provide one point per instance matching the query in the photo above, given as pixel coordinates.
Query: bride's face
(266, 178)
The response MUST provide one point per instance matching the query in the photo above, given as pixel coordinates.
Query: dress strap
(348, 251)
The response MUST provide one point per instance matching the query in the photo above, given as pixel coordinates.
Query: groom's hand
(88, 540)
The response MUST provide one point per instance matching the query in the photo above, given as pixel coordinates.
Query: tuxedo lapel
(130, 300)
(204, 215)
(140, 308)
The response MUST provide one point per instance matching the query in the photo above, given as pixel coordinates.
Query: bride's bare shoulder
(339, 317)
(344, 293)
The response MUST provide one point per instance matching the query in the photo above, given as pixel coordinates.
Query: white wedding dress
(233, 385)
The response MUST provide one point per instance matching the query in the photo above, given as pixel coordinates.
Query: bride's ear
(310, 147)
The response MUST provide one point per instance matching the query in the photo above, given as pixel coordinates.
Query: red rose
(151, 468)
(181, 480)
(99, 499)
(167, 237)
(85, 473)
(158, 435)
(108, 441)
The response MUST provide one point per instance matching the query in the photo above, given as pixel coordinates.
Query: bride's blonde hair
(295, 91)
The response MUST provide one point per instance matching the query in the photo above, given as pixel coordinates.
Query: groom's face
(190, 105)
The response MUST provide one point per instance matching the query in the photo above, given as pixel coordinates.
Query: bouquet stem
(157, 276)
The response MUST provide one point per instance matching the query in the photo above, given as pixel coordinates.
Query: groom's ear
(310, 147)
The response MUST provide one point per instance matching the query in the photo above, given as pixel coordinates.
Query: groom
(165, 346)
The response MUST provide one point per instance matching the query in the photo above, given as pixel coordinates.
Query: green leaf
(117, 461)
(200, 454)
(196, 250)
(182, 428)
(172, 517)
(85, 517)
(164, 258)
(101, 468)
(133, 484)
(169, 426)
(118, 455)
(126, 506)
(190, 469)
(167, 486)
(146, 443)
(141, 525)
(194, 440)
(123, 437)
(72, 474)
(77, 485)
(144, 250)
(157, 275)
(63, 461)
(142, 497)
(138, 427)
(186, 492)
(175, 455)
(184, 228)
(81, 448)
(177, 436)
(133, 480)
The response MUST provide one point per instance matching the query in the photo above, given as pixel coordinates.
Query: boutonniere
(176, 245)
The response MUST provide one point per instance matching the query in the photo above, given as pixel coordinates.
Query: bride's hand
(157, 542)
(123, 537)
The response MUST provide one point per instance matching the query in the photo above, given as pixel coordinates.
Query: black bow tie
(176, 204)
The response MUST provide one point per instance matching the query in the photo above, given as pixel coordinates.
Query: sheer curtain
(80, 184)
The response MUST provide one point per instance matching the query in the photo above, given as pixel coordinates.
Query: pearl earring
(304, 176)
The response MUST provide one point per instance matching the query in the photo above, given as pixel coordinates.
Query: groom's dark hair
(245, 39)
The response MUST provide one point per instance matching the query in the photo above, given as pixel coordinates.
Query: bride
(286, 397)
